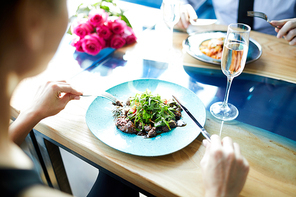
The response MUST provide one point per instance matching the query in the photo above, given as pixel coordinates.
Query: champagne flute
(233, 61)
(171, 15)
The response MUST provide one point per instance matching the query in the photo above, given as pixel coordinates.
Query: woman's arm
(50, 99)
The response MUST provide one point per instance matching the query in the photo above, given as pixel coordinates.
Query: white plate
(193, 42)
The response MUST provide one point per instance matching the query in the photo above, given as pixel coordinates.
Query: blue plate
(192, 43)
(100, 121)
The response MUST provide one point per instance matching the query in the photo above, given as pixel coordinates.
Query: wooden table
(272, 157)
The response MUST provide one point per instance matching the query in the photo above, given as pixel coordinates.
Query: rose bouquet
(98, 26)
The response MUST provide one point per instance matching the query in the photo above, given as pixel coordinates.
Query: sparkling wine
(233, 61)
(234, 58)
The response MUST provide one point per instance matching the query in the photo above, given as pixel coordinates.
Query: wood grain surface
(272, 158)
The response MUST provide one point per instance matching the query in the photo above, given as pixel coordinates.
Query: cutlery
(260, 15)
(203, 131)
(105, 95)
(201, 22)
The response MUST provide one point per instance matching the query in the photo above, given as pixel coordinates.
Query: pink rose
(117, 25)
(81, 28)
(97, 17)
(104, 32)
(76, 42)
(93, 44)
(108, 43)
(129, 35)
(117, 41)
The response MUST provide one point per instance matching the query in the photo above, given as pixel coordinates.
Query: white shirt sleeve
(194, 3)
(226, 12)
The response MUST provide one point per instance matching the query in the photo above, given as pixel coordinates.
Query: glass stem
(225, 102)
(172, 36)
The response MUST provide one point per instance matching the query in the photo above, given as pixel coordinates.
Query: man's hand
(224, 168)
(287, 29)
(187, 13)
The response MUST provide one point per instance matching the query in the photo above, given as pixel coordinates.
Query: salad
(147, 115)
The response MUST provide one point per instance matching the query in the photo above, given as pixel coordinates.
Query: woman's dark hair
(8, 10)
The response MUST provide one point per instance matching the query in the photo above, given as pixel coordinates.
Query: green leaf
(106, 8)
(72, 18)
(97, 4)
(79, 6)
(123, 17)
(108, 1)
(83, 9)
(69, 31)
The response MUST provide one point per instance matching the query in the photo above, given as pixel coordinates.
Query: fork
(260, 15)
(105, 95)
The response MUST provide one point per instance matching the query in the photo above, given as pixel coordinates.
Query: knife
(203, 131)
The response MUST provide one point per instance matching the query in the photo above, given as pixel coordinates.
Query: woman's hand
(224, 168)
(287, 29)
(50, 99)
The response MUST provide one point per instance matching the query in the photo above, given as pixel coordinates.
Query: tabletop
(265, 94)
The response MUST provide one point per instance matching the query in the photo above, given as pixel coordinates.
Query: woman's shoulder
(13, 157)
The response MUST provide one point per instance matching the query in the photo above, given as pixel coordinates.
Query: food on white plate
(212, 47)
